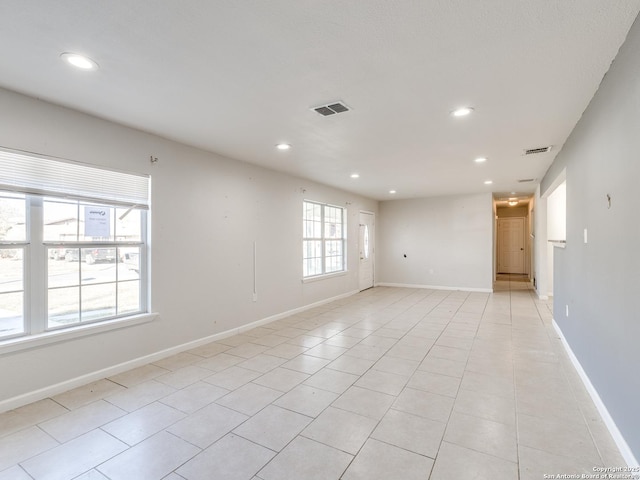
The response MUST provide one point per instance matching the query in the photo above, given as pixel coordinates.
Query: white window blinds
(35, 174)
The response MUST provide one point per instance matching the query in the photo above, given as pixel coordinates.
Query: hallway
(388, 383)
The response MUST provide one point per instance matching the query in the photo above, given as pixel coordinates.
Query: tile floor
(388, 384)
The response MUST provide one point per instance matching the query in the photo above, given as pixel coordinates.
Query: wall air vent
(533, 151)
(331, 109)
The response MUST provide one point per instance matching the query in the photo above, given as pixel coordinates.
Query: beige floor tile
(435, 383)
(75, 457)
(364, 402)
(352, 365)
(272, 340)
(281, 379)
(342, 340)
(140, 395)
(143, 423)
(416, 434)
(325, 351)
(482, 435)
(194, 397)
(381, 461)
(138, 375)
(345, 431)
(151, 459)
(456, 462)
(81, 420)
(306, 364)
(307, 341)
(86, 394)
(424, 404)
(375, 340)
(408, 352)
(249, 399)
(15, 473)
(306, 400)
(442, 366)
(29, 415)
(286, 351)
(485, 405)
(184, 377)
(384, 382)
(262, 363)
(331, 380)
(493, 385)
(399, 366)
(207, 425)
(232, 377)
(366, 352)
(357, 332)
(219, 362)
(565, 439)
(95, 475)
(230, 458)
(22, 445)
(308, 460)
(273, 427)
(247, 350)
(534, 464)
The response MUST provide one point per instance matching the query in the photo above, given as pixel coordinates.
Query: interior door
(511, 245)
(366, 247)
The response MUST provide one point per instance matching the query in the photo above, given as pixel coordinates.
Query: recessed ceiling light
(355, 175)
(488, 182)
(79, 61)
(392, 192)
(462, 111)
(513, 193)
(513, 203)
(283, 146)
(481, 159)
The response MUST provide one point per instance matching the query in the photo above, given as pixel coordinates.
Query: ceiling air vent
(331, 109)
(526, 180)
(533, 151)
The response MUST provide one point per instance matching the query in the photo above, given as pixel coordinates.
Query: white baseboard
(435, 287)
(626, 452)
(52, 390)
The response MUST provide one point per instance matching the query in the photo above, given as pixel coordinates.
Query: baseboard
(52, 390)
(621, 443)
(435, 287)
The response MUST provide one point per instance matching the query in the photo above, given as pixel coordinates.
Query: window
(69, 260)
(323, 243)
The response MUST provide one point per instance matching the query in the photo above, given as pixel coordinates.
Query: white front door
(366, 247)
(511, 245)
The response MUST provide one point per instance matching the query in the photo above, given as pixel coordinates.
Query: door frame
(524, 243)
(372, 256)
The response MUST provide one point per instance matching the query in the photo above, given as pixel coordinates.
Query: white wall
(599, 281)
(556, 227)
(206, 213)
(448, 242)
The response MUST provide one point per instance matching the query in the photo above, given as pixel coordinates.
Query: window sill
(55, 336)
(317, 278)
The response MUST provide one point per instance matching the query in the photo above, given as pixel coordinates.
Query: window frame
(324, 239)
(36, 327)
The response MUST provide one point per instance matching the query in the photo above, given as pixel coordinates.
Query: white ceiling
(238, 76)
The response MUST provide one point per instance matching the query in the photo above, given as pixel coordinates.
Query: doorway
(366, 244)
(511, 245)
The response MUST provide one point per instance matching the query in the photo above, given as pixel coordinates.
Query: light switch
(585, 235)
